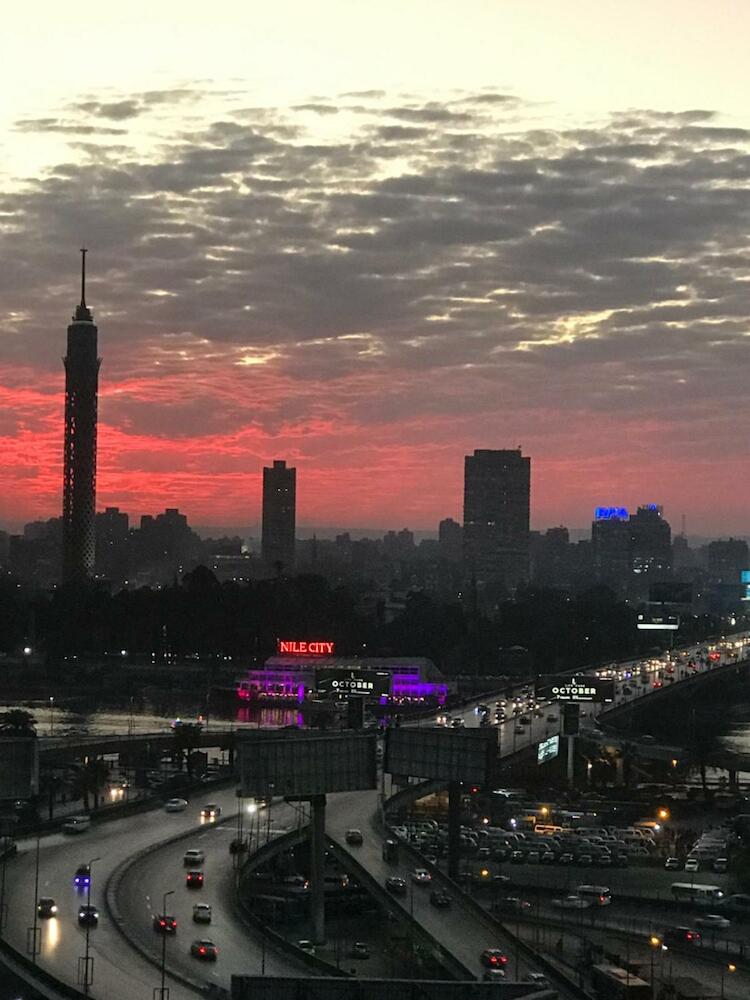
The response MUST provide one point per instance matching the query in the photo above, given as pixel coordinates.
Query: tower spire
(84, 251)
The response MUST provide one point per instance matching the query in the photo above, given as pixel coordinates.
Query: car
(354, 838)
(359, 950)
(457, 723)
(566, 858)
(713, 921)
(493, 958)
(164, 923)
(493, 975)
(307, 946)
(211, 777)
(538, 979)
(202, 913)
(440, 899)
(585, 859)
(193, 857)
(514, 903)
(571, 902)
(517, 858)
(681, 935)
(532, 858)
(396, 885)
(210, 811)
(721, 865)
(204, 949)
(82, 877)
(692, 865)
(547, 857)
(175, 805)
(604, 861)
(498, 880)
(672, 865)
(420, 876)
(88, 915)
(46, 907)
(194, 879)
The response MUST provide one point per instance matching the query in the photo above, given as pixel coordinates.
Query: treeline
(199, 615)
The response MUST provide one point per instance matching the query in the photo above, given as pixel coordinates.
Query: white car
(421, 876)
(175, 805)
(713, 921)
(571, 903)
(193, 857)
(692, 865)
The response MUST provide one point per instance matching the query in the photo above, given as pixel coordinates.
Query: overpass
(60, 749)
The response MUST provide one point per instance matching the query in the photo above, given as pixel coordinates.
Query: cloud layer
(373, 285)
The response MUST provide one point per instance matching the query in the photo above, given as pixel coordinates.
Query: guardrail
(39, 978)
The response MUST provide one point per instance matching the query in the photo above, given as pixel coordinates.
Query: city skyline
(375, 281)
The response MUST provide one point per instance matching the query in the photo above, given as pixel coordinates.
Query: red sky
(438, 276)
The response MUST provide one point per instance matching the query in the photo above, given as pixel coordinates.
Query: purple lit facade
(295, 678)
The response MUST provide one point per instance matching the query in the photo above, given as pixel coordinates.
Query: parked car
(175, 805)
(672, 865)
(360, 950)
(692, 865)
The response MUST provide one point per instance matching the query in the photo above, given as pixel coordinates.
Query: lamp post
(655, 943)
(88, 976)
(51, 714)
(730, 967)
(33, 946)
(164, 992)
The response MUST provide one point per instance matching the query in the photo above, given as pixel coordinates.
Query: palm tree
(89, 780)
(17, 722)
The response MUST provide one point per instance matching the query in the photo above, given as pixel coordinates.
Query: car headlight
(53, 909)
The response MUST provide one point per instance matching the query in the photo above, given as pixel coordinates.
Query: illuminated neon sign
(297, 648)
(611, 514)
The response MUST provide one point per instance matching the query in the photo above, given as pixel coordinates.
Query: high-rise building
(451, 539)
(79, 475)
(497, 489)
(279, 516)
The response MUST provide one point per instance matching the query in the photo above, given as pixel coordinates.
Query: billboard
(342, 681)
(577, 689)
(299, 765)
(548, 749)
(648, 622)
(670, 592)
(610, 514)
(445, 754)
(305, 647)
(19, 772)
(745, 581)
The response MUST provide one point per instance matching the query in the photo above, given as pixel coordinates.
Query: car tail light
(493, 959)
(202, 950)
(503, 959)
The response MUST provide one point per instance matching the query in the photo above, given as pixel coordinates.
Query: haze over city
(372, 244)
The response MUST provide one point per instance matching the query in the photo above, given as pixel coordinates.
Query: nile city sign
(302, 648)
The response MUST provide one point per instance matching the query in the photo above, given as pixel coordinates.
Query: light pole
(51, 714)
(730, 968)
(655, 943)
(88, 970)
(164, 992)
(33, 946)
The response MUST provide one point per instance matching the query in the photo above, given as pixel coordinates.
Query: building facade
(497, 492)
(79, 464)
(279, 516)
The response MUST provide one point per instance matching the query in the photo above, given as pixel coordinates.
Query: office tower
(651, 540)
(629, 546)
(451, 539)
(497, 487)
(79, 475)
(279, 510)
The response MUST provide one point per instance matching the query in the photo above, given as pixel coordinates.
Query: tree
(17, 722)
(89, 779)
(187, 737)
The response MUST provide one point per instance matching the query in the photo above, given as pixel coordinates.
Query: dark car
(82, 877)
(194, 879)
(354, 838)
(396, 885)
(165, 924)
(46, 907)
(681, 935)
(204, 949)
(440, 898)
(88, 915)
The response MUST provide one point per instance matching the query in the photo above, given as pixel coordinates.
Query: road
(120, 973)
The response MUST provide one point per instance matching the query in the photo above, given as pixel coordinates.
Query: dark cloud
(63, 127)
(116, 110)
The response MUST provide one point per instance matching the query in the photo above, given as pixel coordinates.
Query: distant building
(497, 487)
(631, 546)
(79, 472)
(651, 540)
(279, 516)
(451, 540)
(112, 531)
(727, 557)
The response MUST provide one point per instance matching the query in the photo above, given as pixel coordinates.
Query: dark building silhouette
(79, 475)
(279, 515)
(626, 548)
(451, 539)
(727, 558)
(497, 487)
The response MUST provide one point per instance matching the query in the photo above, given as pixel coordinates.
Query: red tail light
(503, 959)
(202, 950)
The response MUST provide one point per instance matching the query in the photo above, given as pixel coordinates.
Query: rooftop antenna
(84, 251)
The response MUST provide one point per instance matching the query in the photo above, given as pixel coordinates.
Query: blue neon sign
(611, 514)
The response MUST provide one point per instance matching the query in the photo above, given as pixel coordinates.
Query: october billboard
(577, 689)
(444, 754)
(548, 749)
(340, 681)
(300, 765)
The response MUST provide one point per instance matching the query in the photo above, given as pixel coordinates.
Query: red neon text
(305, 648)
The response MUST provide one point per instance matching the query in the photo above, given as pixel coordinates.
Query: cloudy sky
(369, 238)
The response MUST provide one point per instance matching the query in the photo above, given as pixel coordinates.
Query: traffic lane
(458, 929)
(115, 966)
(141, 892)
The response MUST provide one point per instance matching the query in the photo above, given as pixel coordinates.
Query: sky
(369, 239)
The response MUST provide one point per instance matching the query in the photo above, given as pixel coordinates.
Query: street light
(164, 992)
(51, 714)
(88, 976)
(655, 943)
(730, 968)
